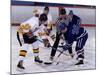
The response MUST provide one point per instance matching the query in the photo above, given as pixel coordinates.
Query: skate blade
(38, 63)
(81, 65)
(48, 63)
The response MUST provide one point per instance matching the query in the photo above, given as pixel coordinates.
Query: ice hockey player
(50, 23)
(48, 26)
(73, 32)
(45, 29)
(27, 31)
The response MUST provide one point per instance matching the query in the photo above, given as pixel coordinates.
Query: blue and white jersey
(74, 31)
(74, 25)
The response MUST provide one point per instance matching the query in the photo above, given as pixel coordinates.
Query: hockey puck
(57, 63)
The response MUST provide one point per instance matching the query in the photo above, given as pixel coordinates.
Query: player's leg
(35, 46)
(69, 42)
(22, 55)
(56, 43)
(49, 29)
(80, 49)
(70, 51)
(46, 42)
(68, 46)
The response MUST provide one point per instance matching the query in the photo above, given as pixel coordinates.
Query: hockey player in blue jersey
(73, 32)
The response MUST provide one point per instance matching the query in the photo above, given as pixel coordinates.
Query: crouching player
(28, 31)
(47, 27)
(77, 34)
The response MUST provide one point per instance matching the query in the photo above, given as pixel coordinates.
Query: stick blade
(48, 63)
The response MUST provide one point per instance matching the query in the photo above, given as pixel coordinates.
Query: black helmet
(46, 8)
(43, 17)
(62, 11)
(71, 12)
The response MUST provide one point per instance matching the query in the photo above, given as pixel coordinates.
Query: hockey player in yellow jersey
(28, 35)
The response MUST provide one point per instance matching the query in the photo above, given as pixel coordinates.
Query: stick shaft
(18, 38)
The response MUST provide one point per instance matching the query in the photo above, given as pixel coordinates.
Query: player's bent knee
(22, 53)
(36, 50)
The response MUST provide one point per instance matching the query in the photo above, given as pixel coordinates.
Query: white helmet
(36, 11)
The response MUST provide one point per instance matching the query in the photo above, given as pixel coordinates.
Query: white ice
(66, 62)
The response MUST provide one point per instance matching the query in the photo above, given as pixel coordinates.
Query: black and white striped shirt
(59, 21)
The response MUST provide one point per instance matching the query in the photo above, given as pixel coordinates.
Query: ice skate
(80, 62)
(37, 60)
(20, 65)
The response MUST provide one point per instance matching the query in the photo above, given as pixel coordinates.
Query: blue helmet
(71, 12)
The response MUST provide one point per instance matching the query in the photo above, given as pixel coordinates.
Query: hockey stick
(49, 63)
(18, 38)
(57, 62)
(61, 52)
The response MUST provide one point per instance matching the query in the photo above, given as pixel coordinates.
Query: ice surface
(66, 62)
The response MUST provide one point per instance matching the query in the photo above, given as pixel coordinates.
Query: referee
(62, 18)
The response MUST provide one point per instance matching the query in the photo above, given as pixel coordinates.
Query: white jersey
(43, 29)
(32, 24)
(49, 18)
